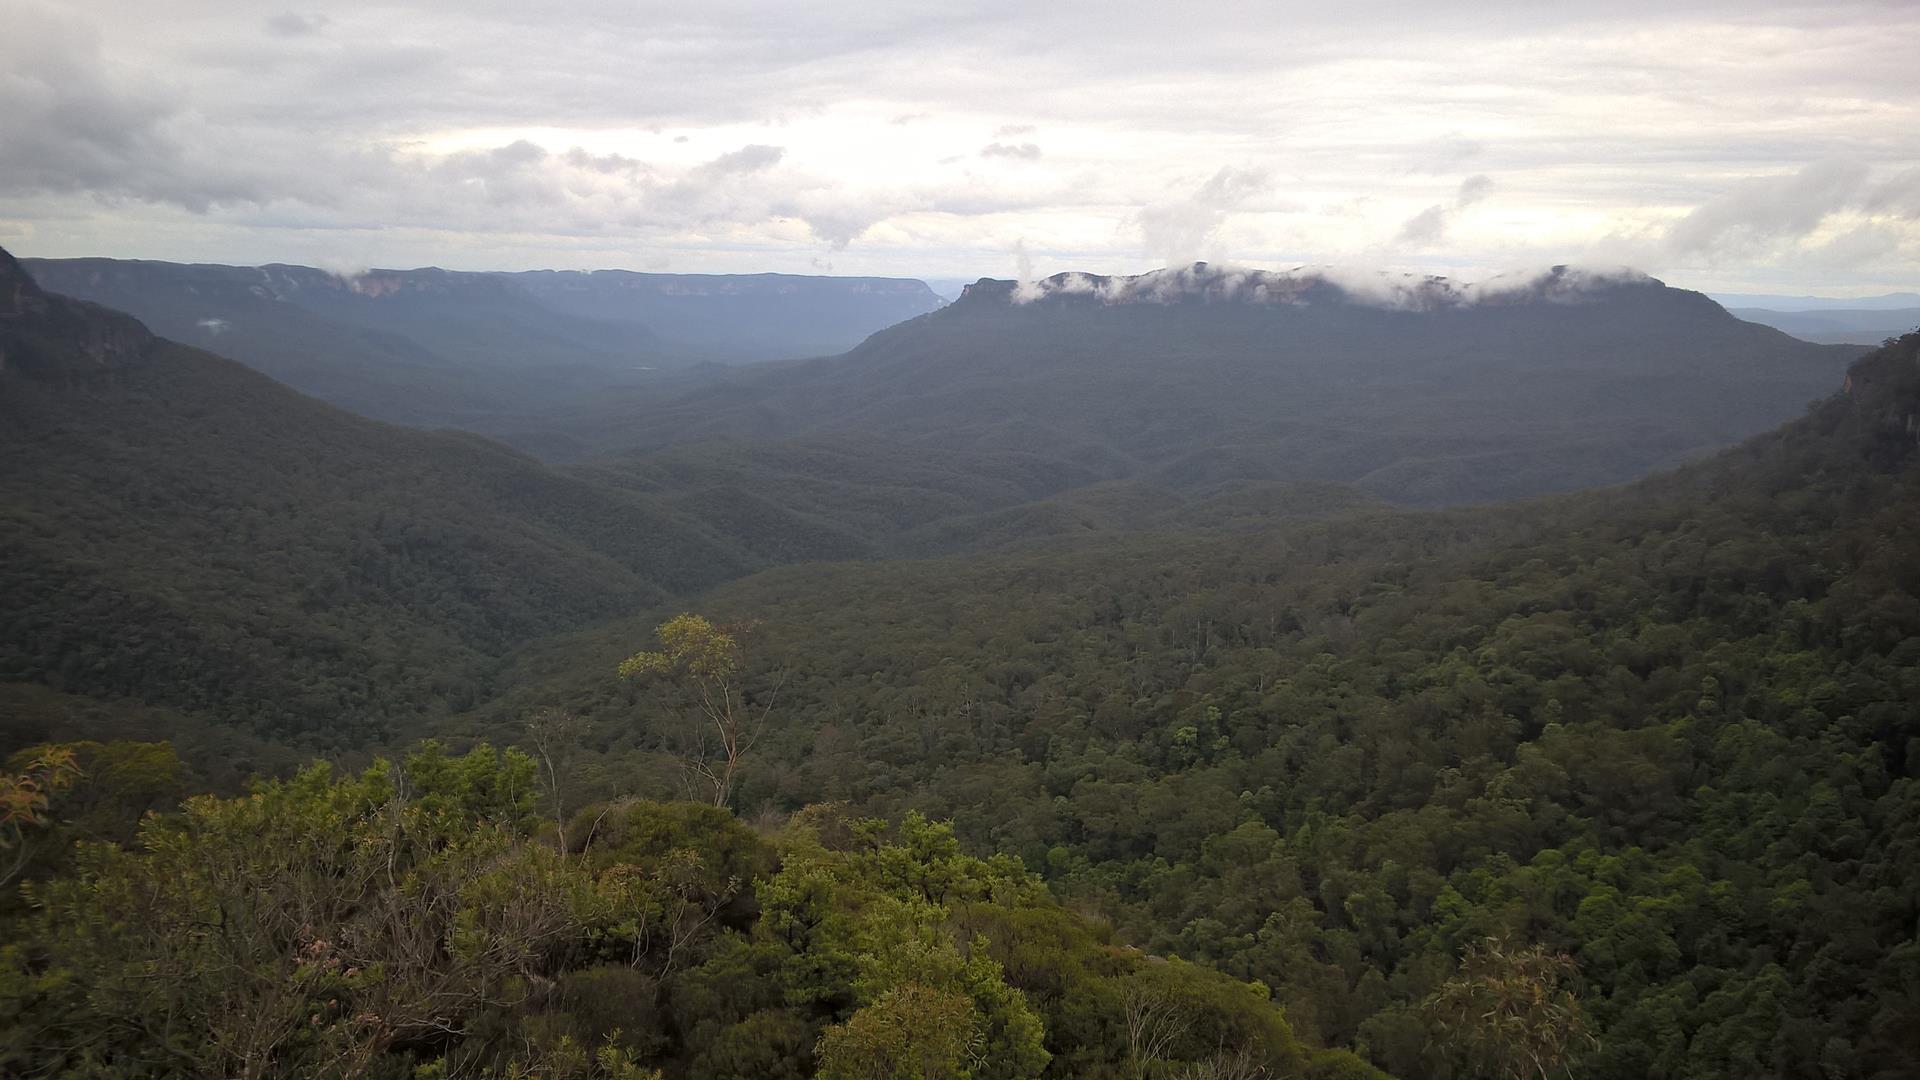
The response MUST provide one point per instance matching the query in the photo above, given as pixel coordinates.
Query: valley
(1233, 646)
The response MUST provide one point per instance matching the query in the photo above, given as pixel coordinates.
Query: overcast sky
(1751, 146)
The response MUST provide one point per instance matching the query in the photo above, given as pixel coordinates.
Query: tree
(913, 1032)
(1156, 1019)
(1509, 1012)
(556, 735)
(24, 798)
(707, 661)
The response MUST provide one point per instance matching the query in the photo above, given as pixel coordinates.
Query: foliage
(706, 660)
(407, 921)
(1508, 1012)
(1665, 730)
(24, 799)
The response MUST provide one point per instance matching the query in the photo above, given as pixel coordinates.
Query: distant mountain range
(738, 316)
(1777, 302)
(1854, 326)
(494, 353)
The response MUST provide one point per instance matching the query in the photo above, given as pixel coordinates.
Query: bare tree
(1239, 1064)
(1155, 1019)
(556, 736)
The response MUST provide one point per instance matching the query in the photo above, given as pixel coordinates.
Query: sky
(1756, 146)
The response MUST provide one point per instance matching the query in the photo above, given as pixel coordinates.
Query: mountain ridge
(1550, 382)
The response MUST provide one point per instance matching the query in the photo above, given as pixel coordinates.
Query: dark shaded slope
(184, 531)
(738, 316)
(423, 347)
(1430, 395)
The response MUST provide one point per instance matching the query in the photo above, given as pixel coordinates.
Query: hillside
(738, 316)
(1420, 392)
(1837, 325)
(425, 917)
(506, 355)
(1667, 729)
(195, 538)
(189, 533)
(420, 347)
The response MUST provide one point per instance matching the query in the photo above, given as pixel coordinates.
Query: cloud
(1214, 283)
(1897, 195)
(1862, 244)
(66, 123)
(1183, 229)
(1020, 151)
(747, 159)
(1446, 153)
(1758, 212)
(1428, 228)
(294, 24)
(376, 135)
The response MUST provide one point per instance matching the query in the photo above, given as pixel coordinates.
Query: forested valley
(855, 746)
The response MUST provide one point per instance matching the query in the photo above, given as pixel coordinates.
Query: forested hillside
(738, 317)
(427, 918)
(421, 347)
(513, 356)
(1418, 391)
(1667, 729)
(1644, 755)
(190, 534)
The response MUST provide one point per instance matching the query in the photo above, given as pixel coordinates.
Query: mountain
(1343, 754)
(1776, 302)
(420, 347)
(1665, 731)
(738, 316)
(184, 531)
(1418, 391)
(1835, 325)
(506, 355)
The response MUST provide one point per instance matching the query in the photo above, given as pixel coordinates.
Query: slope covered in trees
(1667, 729)
(737, 317)
(189, 536)
(1423, 394)
(193, 535)
(412, 920)
(421, 347)
(507, 355)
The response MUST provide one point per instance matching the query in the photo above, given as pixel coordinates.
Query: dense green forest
(1197, 376)
(427, 918)
(501, 354)
(1135, 776)
(1669, 729)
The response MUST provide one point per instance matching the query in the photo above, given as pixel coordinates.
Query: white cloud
(1710, 139)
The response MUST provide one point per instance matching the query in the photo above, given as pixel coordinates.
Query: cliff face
(1883, 398)
(53, 338)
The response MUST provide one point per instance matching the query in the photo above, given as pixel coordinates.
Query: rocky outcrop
(51, 337)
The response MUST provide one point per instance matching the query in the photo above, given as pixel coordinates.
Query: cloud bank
(1763, 145)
